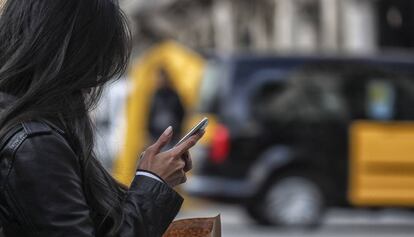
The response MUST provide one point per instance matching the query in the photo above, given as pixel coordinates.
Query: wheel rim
(293, 201)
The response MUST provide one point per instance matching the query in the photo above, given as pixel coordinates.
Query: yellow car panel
(381, 164)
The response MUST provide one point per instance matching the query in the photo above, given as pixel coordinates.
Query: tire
(292, 201)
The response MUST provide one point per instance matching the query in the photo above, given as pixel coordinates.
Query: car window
(405, 98)
(209, 90)
(262, 97)
(380, 99)
(343, 92)
(375, 93)
(308, 95)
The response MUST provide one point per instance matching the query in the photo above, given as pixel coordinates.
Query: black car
(280, 146)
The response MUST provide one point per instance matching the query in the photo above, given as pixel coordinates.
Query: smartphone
(196, 129)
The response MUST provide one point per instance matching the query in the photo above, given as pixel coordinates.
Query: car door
(381, 171)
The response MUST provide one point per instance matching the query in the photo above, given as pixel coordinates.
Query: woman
(55, 56)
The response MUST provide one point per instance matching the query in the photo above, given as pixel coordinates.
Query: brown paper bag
(195, 227)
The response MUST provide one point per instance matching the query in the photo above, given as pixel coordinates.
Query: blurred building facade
(354, 26)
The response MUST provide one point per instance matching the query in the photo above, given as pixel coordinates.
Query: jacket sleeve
(45, 185)
(152, 202)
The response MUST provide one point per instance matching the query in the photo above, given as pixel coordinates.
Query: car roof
(387, 58)
(241, 67)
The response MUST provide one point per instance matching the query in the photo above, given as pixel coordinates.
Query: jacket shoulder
(32, 128)
(11, 141)
(38, 127)
(37, 145)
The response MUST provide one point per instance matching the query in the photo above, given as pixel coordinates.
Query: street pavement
(338, 222)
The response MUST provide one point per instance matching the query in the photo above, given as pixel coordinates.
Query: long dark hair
(55, 56)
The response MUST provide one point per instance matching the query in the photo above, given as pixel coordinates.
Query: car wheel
(292, 201)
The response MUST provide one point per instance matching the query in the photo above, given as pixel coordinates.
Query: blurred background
(310, 106)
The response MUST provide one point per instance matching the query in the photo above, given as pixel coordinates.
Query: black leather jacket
(41, 190)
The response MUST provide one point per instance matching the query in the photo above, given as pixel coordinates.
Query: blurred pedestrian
(55, 58)
(166, 108)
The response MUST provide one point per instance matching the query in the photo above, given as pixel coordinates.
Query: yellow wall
(185, 68)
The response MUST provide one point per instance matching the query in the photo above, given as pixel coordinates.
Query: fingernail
(168, 131)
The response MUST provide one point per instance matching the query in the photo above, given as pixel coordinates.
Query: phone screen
(196, 129)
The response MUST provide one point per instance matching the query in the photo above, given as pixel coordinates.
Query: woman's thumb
(163, 139)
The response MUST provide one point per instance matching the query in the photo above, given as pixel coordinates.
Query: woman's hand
(170, 165)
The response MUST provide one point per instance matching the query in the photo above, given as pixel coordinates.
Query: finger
(181, 165)
(188, 161)
(184, 179)
(186, 145)
(178, 178)
(163, 140)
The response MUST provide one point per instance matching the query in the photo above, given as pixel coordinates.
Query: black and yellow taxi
(292, 135)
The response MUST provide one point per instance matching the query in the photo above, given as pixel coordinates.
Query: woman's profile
(55, 58)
